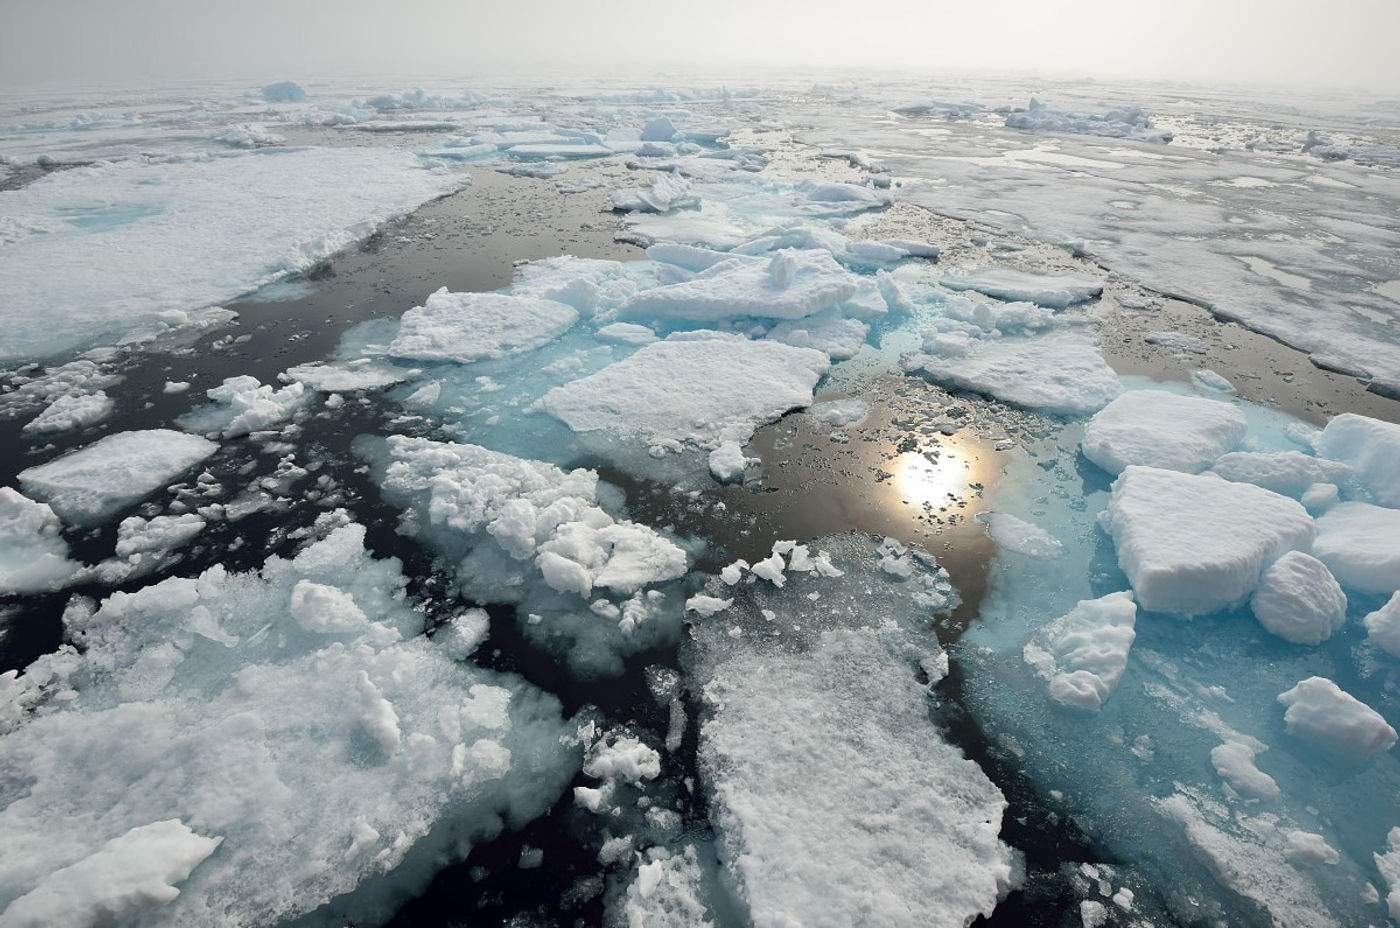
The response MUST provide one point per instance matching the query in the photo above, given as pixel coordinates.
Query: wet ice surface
(900, 537)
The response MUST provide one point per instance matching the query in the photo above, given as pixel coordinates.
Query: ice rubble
(860, 767)
(1056, 291)
(1383, 626)
(1163, 430)
(1082, 654)
(465, 327)
(665, 193)
(71, 411)
(1194, 544)
(704, 388)
(242, 405)
(90, 484)
(789, 285)
(33, 558)
(1322, 713)
(585, 585)
(297, 714)
(100, 252)
(1288, 472)
(1125, 123)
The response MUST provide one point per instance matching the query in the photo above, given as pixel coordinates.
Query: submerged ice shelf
(564, 631)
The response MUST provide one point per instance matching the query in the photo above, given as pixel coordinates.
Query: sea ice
(1194, 544)
(1057, 290)
(99, 252)
(90, 484)
(1322, 714)
(33, 558)
(1129, 122)
(69, 412)
(339, 762)
(1286, 472)
(1235, 762)
(1160, 429)
(1371, 447)
(1082, 655)
(242, 405)
(1015, 534)
(465, 327)
(1299, 600)
(705, 389)
(665, 193)
(789, 285)
(1360, 544)
(1383, 626)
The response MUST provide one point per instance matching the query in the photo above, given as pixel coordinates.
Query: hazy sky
(1322, 43)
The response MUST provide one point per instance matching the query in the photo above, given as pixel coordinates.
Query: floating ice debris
(1383, 626)
(1177, 341)
(839, 413)
(1130, 122)
(1360, 544)
(659, 129)
(854, 195)
(1054, 290)
(704, 389)
(1015, 534)
(1058, 372)
(666, 192)
(33, 558)
(727, 462)
(790, 285)
(466, 327)
(667, 893)
(134, 871)
(1307, 849)
(248, 135)
(1371, 447)
(1389, 866)
(100, 252)
(839, 338)
(1161, 429)
(1209, 380)
(627, 333)
(1299, 600)
(1322, 714)
(347, 377)
(1288, 472)
(1082, 655)
(94, 482)
(1196, 544)
(1235, 762)
(337, 760)
(283, 92)
(72, 411)
(242, 405)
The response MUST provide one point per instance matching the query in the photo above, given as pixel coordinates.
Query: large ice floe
(273, 744)
(105, 251)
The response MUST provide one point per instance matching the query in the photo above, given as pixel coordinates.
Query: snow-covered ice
(1082, 654)
(465, 327)
(1299, 600)
(1161, 429)
(1360, 544)
(33, 558)
(1056, 291)
(1320, 712)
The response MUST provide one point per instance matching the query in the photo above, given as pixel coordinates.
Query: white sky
(1317, 43)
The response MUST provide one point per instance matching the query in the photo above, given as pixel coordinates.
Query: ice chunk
(659, 129)
(706, 389)
(707, 606)
(1286, 472)
(1335, 721)
(1389, 866)
(283, 92)
(1360, 544)
(839, 413)
(838, 337)
(1383, 626)
(465, 327)
(94, 482)
(728, 463)
(628, 333)
(242, 405)
(1013, 534)
(135, 871)
(666, 893)
(1082, 655)
(1056, 291)
(1161, 429)
(348, 377)
(789, 286)
(1310, 850)
(623, 758)
(1234, 761)
(1195, 544)
(1371, 447)
(114, 248)
(33, 558)
(1206, 379)
(1059, 372)
(157, 535)
(69, 412)
(1319, 497)
(1177, 341)
(1299, 600)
